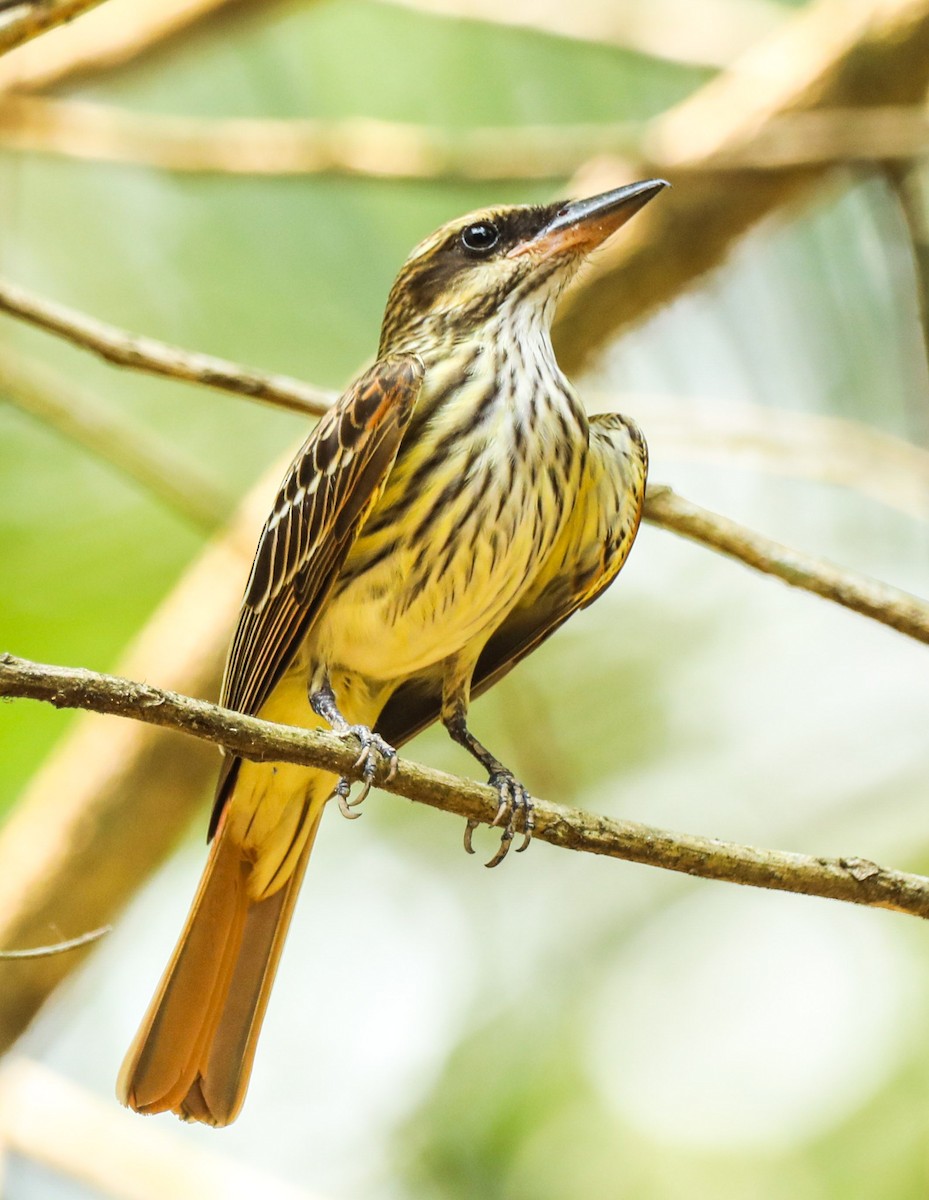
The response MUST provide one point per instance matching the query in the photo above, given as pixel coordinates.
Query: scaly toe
(374, 750)
(528, 825)
(516, 806)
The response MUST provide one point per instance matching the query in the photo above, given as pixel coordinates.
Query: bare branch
(900, 610)
(110, 36)
(157, 358)
(33, 17)
(854, 880)
(75, 943)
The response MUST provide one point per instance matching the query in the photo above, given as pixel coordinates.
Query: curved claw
(374, 750)
(503, 850)
(469, 833)
(342, 791)
(360, 798)
(528, 826)
(517, 803)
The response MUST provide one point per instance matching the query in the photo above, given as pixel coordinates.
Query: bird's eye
(480, 238)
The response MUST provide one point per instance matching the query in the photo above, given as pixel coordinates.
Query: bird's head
(516, 260)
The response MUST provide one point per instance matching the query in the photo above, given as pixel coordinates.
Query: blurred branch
(54, 400)
(112, 35)
(900, 610)
(873, 54)
(74, 943)
(157, 358)
(850, 879)
(33, 17)
(109, 1152)
(265, 146)
(783, 442)
(390, 149)
(906, 179)
(709, 34)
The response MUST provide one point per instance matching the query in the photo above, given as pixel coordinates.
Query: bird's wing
(329, 489)
(581, 566)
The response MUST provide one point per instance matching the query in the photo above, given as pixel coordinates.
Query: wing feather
(331, 485)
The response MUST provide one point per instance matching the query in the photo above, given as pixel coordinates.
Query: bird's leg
(515, 801)
(373, 747)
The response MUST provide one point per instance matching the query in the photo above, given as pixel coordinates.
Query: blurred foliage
(441, 1032)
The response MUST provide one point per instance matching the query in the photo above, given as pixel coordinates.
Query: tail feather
(194, 1051)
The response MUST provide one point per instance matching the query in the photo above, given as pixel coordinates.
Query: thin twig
(34, 17)
(854, 880)
(901, 611)
(84, 939)
(157, 358)
(110, 36)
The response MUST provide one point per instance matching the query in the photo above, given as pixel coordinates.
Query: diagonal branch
(873, 54)
(34, 17)
(146, 354)
(900, 610)
(108, 37)
(853, 880)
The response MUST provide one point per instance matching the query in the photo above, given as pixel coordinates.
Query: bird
(447, 514)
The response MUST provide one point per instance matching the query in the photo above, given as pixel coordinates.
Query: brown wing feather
(328, 491)
(583, 567)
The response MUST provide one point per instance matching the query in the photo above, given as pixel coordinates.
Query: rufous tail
(193, 1053)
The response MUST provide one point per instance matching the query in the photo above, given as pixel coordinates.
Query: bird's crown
(497, 259)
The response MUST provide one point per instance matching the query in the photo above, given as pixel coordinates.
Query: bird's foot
(514, 812)
(374, 752)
